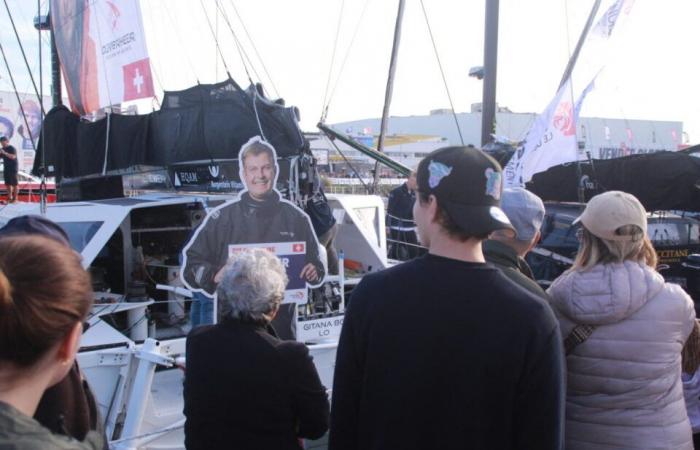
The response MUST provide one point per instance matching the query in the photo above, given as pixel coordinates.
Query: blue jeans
(202, 310)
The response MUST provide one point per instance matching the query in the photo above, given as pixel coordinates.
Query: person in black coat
(403, 243)
(244, 388)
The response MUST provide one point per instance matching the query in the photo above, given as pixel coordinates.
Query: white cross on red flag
(138, 82)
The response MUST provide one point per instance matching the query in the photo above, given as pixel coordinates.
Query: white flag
(551, 139)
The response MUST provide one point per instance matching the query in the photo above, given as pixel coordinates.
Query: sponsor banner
(102, 48)
(210, 177)
(219, 176)
(624, 150)
(13, 126)
(319, 329)
(293, 257)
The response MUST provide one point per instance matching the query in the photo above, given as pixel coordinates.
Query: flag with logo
(552, 138)
(102, 50)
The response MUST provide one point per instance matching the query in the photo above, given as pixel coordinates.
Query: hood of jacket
(606, 293)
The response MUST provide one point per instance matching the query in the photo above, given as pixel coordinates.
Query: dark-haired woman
(44, 297)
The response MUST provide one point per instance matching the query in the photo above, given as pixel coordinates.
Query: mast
(488, 102)
(389, 90)
(567, 74)
(572, 61)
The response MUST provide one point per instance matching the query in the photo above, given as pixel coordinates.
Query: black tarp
(77, 148)
(203, 122)
(661, 181)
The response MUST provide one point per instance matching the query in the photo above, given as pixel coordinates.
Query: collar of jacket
(237, 323)
(500, 254)
(269, 203)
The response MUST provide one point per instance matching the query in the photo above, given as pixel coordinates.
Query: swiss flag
(138, 82)
(298, 248)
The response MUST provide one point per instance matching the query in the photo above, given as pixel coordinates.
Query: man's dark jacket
(246, 389)
(246, 221)
(512, 266)
(400, 207)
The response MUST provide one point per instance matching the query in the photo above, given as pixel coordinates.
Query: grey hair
(252, 286)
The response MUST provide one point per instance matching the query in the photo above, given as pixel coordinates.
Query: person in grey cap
(506, 251)
(444, 351)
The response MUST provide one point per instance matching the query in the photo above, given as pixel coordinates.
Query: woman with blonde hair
(623, 330)
(45, 295)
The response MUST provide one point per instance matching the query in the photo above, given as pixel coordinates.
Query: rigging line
(42, 200)
(252, 43)
(324, 107)
(241, 51)
(347, 54)
(216, 41)
(332, 142)
(442, 72)
(244, 57)
(153, 65)
(24, 56)
(14, 87)
(179, 39)
(106, 78)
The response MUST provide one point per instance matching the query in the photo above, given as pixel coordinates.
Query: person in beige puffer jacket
(624, 388)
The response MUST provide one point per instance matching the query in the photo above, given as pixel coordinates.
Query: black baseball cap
(467, 184)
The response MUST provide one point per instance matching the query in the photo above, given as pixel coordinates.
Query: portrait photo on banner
(258, 218)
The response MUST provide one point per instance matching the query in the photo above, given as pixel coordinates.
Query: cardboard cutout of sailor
(258, 218)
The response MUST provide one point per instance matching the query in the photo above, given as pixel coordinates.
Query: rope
(255, 109)
(442, 72)
(24, 56)
(216, 41)
(324, 109)
(239, 47)
(106, 78)
(347, 162)
(345, 59)
(189, 62)
(262, 63)
(14, 87)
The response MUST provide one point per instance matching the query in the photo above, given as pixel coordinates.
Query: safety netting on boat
(661, 181)
(204, 122)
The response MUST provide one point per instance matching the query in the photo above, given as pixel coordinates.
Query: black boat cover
(661, 181)
(204, 122)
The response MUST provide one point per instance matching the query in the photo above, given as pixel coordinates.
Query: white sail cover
(102, 49)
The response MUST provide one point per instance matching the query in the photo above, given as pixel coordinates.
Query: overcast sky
(653, 75)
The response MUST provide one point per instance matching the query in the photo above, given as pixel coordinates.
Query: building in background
(604, 138)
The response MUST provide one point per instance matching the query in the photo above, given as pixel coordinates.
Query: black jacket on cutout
(246, 221)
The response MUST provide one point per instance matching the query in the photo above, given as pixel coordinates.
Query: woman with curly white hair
(245, 388)
(623, 329)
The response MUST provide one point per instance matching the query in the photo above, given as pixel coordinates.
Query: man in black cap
(444, 351)
(9, 161)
